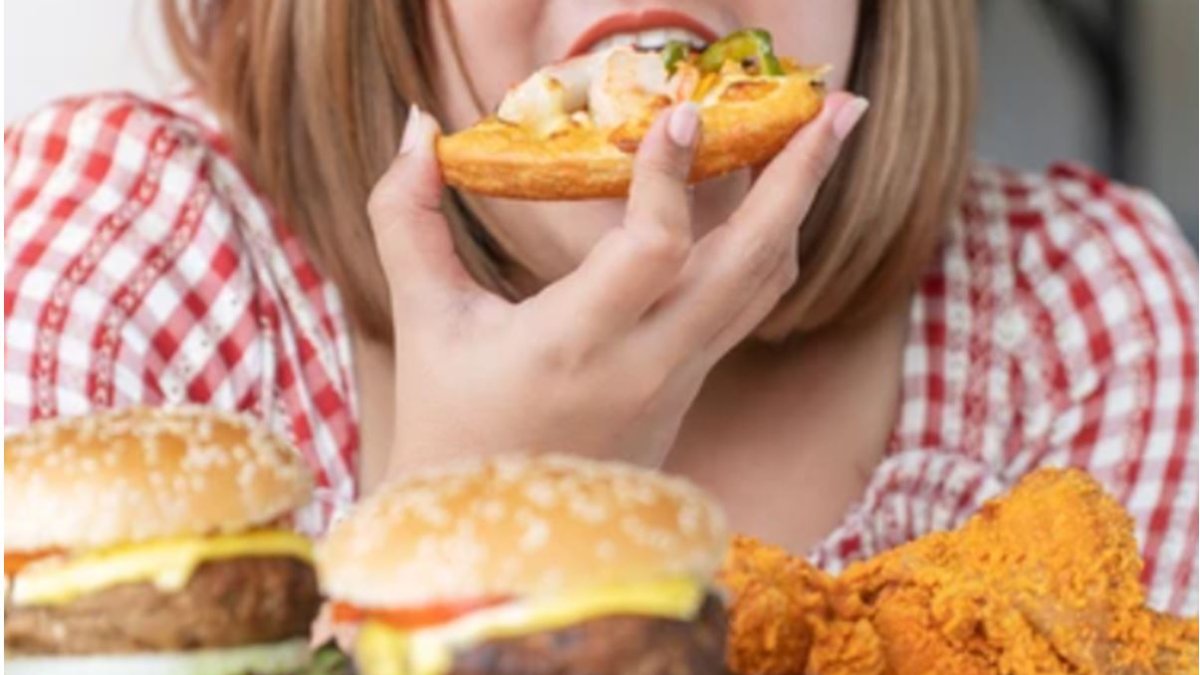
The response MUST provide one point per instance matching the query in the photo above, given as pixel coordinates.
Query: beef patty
(631, 645)
(226, 603)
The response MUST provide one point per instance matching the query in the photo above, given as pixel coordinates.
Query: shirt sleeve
(1109, 293)
(142, 269)
(121, 267)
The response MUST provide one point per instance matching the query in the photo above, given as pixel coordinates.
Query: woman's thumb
(411, 233)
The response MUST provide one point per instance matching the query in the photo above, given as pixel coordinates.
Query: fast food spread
(159, 541)
(570, 130)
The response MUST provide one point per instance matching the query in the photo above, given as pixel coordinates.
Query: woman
(857, 346)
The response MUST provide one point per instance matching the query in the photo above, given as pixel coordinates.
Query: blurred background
(1112, 83)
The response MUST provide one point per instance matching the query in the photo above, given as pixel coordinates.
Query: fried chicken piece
(1044, 580)
(1176, 641)
(779, 598)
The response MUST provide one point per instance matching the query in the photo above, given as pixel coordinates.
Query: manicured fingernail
(684, 123)
(847, 118)
(408, 141)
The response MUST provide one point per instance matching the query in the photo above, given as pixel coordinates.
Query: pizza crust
(743, 128)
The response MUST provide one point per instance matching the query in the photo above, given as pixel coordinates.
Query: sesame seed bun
(141, 473)
(519, 526)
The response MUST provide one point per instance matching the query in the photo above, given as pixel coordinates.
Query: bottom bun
(270, 659)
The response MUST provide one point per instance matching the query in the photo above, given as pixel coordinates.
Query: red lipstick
(629, 22)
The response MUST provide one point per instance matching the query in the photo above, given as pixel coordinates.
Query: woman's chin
(713, 202)
(555, 236)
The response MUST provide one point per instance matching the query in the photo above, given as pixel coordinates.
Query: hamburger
(529, 565)
(154, 541)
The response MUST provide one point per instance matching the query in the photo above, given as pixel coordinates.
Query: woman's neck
(787, 435)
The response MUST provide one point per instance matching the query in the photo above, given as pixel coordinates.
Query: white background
(58, 47)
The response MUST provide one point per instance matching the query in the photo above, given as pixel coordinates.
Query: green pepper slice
(673, 53)
(750, 43)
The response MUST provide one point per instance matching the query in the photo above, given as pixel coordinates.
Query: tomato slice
(15, 562)
(409, 618)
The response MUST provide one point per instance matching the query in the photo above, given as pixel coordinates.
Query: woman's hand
(606, 361)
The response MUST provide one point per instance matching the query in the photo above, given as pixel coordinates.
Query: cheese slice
(167, 563)
(383, 650)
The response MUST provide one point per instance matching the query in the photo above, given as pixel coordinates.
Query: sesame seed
(535, 535)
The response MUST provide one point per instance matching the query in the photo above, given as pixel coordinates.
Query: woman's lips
(628, 22)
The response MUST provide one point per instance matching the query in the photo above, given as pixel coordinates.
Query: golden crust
(499, 159)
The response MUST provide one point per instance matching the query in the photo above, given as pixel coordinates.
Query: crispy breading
(1042, 580)
(778, 595)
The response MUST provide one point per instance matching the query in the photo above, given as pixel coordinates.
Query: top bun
(129, 475)
(519, 526)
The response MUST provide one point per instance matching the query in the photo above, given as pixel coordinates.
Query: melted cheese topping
(609, 88)
(383, 650)
(166, 563)
(617, 86)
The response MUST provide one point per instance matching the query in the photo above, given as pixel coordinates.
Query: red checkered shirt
(1056, 327)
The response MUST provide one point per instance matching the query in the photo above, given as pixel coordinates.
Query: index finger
(732, 263)
(786, 187)
(633, 265)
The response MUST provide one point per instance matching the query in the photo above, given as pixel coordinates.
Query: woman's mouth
(651, 29)
(652, 39)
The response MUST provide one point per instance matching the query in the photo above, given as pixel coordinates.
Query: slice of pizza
(570, 131)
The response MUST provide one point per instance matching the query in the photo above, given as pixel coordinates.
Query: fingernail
(847, 118)
(408, 140)
(684, 123)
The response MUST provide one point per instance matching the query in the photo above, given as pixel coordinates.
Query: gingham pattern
(143, 268)
(1057, 327)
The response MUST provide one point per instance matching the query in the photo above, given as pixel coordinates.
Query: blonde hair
(313, 95)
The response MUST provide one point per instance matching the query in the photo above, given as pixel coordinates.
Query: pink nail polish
(684, 123)
(848, 117)
(408, 140)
